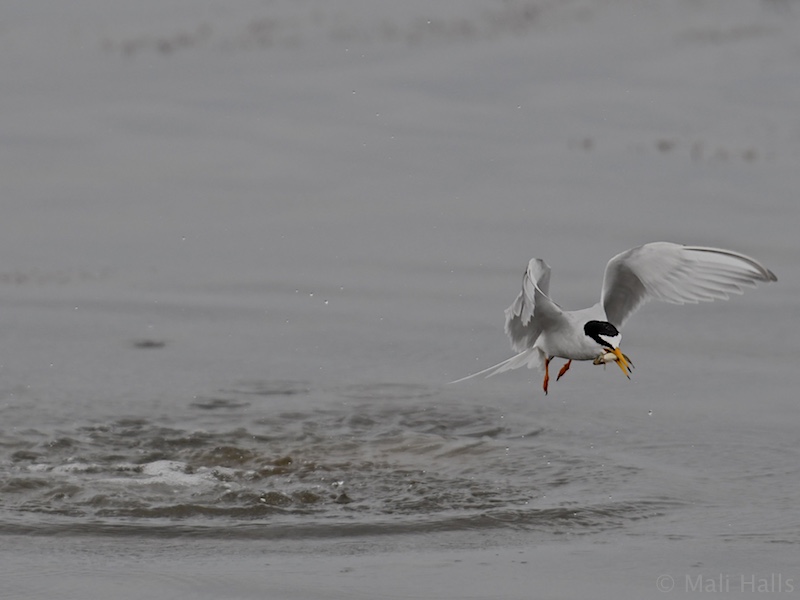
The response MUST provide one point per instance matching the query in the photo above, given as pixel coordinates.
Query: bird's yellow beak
(623, 362)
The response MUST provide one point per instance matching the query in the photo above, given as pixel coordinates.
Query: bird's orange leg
(546, 374)
(564, 369)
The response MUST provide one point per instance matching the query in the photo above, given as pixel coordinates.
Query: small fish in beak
(615, 355)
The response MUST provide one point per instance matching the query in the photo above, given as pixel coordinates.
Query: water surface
(245, 247)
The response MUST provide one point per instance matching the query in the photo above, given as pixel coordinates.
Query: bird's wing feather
(676, 274)
(532, 309)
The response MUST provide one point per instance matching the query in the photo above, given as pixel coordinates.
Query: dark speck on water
(149, 344)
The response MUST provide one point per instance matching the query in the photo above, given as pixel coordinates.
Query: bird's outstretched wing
(531, 311)
(676, 274)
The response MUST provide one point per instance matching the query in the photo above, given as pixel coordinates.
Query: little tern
(540, 330)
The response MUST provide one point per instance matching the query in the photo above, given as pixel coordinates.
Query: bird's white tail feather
(532, 358)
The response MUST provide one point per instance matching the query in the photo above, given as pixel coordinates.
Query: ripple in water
(388, 463)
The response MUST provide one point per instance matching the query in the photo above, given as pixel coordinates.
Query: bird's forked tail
(533, 358)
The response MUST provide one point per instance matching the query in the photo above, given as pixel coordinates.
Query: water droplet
(650, 413)
(326, 301)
